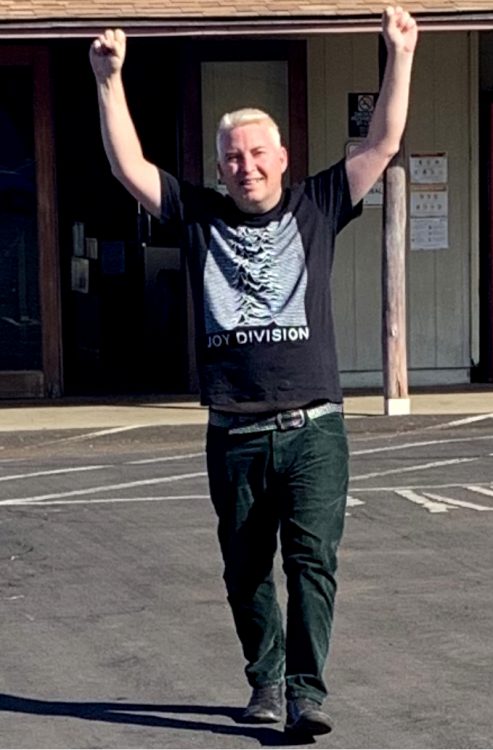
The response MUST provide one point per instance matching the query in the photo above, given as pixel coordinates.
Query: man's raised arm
(367, 162)
(121, 143)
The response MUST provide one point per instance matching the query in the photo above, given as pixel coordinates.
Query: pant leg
(248, 521)
(313, 471)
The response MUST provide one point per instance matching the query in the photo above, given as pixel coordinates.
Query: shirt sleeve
(185, 203)
(330, 191)
(172, 198)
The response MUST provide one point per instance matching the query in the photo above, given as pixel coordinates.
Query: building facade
(94, 296)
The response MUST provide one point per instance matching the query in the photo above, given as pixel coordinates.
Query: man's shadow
(149, 715)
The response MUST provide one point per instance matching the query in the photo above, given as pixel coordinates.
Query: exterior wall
(442, 284)
(441, 312)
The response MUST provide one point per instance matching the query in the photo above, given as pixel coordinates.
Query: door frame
(484, 371)
(49, 381)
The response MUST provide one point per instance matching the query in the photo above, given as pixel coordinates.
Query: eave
(238, 25)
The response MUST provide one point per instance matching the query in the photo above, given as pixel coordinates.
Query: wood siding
(438, 281)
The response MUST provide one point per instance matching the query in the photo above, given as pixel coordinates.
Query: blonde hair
(245, 116)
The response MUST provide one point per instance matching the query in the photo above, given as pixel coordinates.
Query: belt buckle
(290, 420)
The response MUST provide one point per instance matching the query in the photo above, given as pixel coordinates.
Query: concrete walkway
(142, 412)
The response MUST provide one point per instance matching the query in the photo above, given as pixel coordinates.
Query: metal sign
(360, 112)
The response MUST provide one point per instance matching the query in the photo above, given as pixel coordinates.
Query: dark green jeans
(293, 482)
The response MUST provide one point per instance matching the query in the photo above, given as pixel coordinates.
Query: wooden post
(394, 356)
(49, 251)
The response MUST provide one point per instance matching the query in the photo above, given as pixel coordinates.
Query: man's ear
(284, 159)
(219, 171)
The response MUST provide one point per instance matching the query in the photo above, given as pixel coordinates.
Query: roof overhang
(272, 26)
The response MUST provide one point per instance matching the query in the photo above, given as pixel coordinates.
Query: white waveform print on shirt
(255, 276)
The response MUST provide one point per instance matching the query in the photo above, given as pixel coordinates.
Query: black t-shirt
(261, 290)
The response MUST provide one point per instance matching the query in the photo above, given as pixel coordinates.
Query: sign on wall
(428, 173)
(428, 169)
(360, 111)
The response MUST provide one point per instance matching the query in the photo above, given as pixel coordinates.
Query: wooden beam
(49, 258)
(298, 111)
(49, 381)
(394, 339)
(191, 170)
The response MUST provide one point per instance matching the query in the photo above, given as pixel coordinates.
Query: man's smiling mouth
(251, 181)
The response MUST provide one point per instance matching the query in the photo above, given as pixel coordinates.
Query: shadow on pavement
(134, 714)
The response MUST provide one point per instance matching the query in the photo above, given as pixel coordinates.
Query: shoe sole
(306, 726)
(261, 718)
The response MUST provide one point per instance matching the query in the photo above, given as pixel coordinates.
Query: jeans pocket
(332, 425)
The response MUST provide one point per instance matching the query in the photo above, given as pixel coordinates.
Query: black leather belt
(290, 419)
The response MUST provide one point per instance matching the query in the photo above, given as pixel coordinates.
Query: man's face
(251, 166)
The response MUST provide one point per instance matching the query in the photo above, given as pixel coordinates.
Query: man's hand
(399, 30)
(369, 159)
(107, 54)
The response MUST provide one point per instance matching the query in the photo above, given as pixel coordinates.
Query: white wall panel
(438, 281)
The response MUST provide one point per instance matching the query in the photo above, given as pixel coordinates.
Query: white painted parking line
(429, 428)
(97, 500)
(431, 505)
(427, 486)
(415, 467)
(180, 457)
(353, 501)
(480, 489)
(458, 503)
(465, 420)
(432, 501)
(50, 473)
(109, 487)
(99, 433)
(76, 469)
(420, 444)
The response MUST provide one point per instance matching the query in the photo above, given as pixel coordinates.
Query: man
(260, 261)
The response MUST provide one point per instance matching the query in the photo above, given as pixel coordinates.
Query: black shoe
(306, 717)
(265, 706)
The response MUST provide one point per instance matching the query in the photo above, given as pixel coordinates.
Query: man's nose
(248, 163)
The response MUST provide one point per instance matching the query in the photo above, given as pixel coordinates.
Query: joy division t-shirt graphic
(255, 283)
(261, 288)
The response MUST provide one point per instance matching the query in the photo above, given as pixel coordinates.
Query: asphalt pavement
(115, 628)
